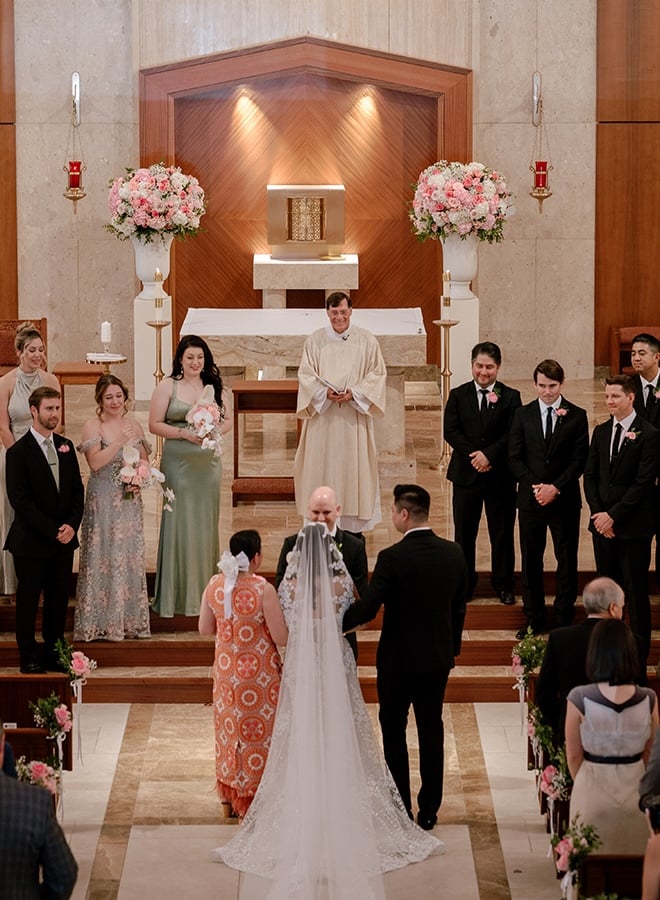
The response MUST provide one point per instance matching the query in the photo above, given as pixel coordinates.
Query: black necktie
(548, 426)
(617, 440)
(483, 406)
(650, 399)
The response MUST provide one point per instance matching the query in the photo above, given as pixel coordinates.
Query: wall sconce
(74, 164)
(538, 165)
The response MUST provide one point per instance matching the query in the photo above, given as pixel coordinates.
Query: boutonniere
(561, 411)
(493, 396)
(63, 448)
(656, 393)
(338, 545)
(631, 435)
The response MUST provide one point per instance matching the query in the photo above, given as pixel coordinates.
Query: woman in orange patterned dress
(243, 611)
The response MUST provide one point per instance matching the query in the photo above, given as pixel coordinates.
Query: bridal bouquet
(459, 198)
(148, 203)
(204, 420)
(137, 473)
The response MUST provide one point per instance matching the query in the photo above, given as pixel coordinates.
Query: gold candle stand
(445, 325)
(158, 324)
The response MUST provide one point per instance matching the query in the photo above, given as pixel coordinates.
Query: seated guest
(35, 859)
(323, 506)
(610, 726)
(566, 654)
(242, 610)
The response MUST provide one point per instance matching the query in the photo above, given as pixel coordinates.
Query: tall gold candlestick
(445, 373)
(158, 326)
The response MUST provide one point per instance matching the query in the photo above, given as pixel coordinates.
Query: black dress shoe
(507, 598)
(32, 668)
(426, 821)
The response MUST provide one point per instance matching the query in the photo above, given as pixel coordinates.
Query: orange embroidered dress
(246, 683)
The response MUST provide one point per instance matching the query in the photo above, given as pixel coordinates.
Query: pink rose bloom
(630, 435)
(561, 411)
(547, 776)
(516, 666)
(38, 770)
(63, 717)
(79, 664)
(492, 397)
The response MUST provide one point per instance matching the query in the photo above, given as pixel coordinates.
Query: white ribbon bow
(230, 566)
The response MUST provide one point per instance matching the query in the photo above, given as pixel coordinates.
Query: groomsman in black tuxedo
(477, 421)
(323, 506)
(46, 492)
(547, 452)
(421, 582)
(619, 482)
(645, 360)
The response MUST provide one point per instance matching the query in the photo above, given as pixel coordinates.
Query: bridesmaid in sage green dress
(188, 548)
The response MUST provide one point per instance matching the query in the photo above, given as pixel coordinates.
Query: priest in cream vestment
(341, 388)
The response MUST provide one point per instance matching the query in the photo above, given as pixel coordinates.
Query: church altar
(269, 340)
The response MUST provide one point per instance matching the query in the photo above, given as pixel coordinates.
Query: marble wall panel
(439, 30)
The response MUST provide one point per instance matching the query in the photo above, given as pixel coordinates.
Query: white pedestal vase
(461, 257)
(148, 258)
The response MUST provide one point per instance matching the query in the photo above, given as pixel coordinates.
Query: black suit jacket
(39, 508)
(30, 837)
(561, 464)
(640, 403)
(421, 582)
(464, 432)
(352, 549)
(625, 488)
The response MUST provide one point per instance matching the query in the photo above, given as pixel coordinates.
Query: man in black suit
(35, 859)
(619, 484)
(46, 492)
(421, 582)
(547, 452)
(645, 360)
(477, 421)
(323, 506)
(563, 665)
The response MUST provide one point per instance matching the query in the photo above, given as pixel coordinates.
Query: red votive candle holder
(541, 174)
(74, 173)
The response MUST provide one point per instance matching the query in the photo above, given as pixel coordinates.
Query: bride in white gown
(327, 820)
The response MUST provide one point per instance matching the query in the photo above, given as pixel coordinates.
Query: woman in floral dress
(112, 601)
(242, 609)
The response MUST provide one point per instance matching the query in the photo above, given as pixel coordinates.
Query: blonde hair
(25, 333)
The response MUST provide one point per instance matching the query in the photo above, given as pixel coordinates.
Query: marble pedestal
(144, 354)
(462, 338)
(269, 337)
(273, 277)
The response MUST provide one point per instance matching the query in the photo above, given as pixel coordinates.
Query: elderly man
(323, 506)
(341, 388)
(564, 662)
(35, 859)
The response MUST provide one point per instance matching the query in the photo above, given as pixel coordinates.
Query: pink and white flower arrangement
(205, 419)
(39, 773)
(137, 473)
(53, 715)
(148, 203)
(460, 198)
(578, 841)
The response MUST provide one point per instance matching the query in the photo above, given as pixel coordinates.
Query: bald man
(323, 506)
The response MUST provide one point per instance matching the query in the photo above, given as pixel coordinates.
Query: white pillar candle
(106, 332)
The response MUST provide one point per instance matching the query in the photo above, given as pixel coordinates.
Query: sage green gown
(189, 547)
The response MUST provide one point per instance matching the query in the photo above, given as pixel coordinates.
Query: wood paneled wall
(627, 160)
(306, 112)
(9, 266)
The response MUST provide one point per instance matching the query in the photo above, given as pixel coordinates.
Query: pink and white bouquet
(53, 715)
(205, 419)
(39, 773)
(148, 203)
(460, 198)
(137, 473)
(577, 842)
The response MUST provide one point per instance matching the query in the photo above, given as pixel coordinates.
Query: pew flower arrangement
(527, 655)
(152, 202)
(460, 198)
(39, 773)
(77, 664)
(578, 841)
(540, 736)
(53, 715)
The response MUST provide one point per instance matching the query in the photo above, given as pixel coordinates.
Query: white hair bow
(230, 566)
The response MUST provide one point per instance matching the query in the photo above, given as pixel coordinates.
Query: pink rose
(38, 770)
(79, 664)
(547, 777)
(630, 435)
(492, 397)
(63, 448)
(516, 665)
(561, 411)
(63, 717)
